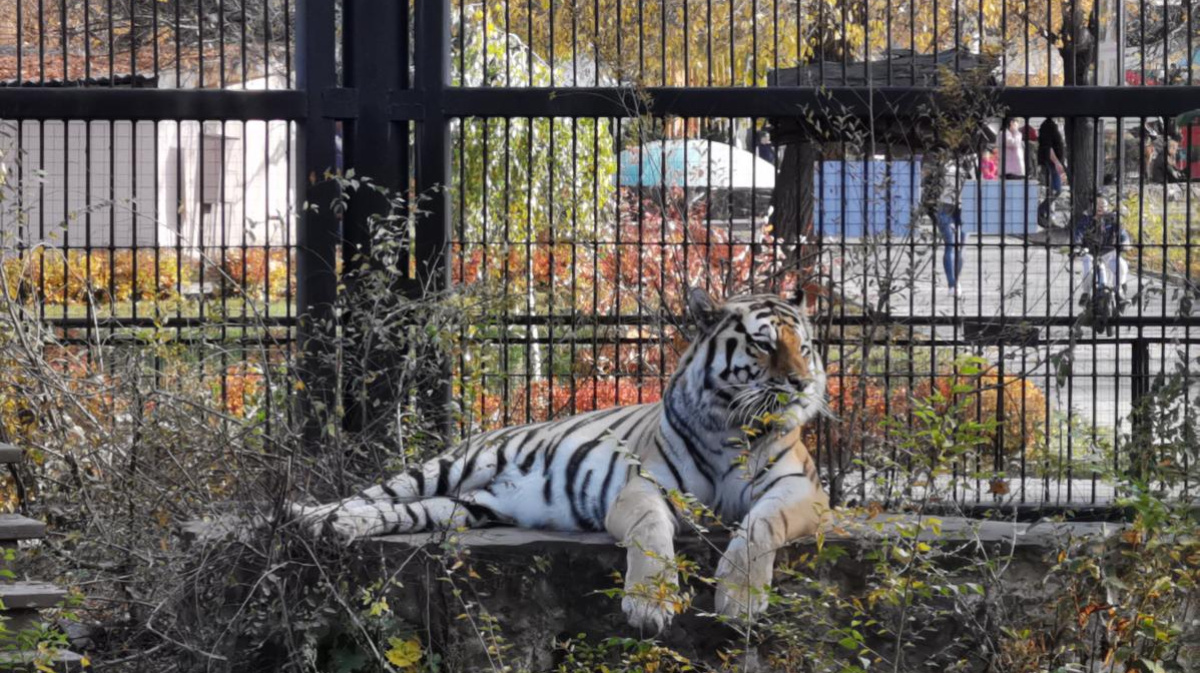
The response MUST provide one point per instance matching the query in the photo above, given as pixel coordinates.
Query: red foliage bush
(258, 273)
(557, 399)
(869, 408)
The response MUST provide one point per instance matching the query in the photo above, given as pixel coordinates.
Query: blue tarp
(1019, 205)
(849, 207)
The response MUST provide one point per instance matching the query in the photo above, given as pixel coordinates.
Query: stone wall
(544, 587)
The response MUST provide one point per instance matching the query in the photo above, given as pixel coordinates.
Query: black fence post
(317, 238)
(431, 247)
(432, 75)
(376, 146)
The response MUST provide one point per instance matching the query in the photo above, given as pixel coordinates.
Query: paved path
(1006, 276)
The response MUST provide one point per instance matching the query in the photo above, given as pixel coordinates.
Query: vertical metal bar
(753, 42)
(463, 247)
(133, 222)
(462, 40)
(1142, 42)
(112, 49)
(506, 272)
(551, 241)
(888, 45)
(87, 43)
(596, 239)
(618, 244)
(732, 45)
(529, 284)
(484, 219)
(66, 201)
(1140, 389)
(1025, 54)
(266, 53)
(200, 16)
(41, 210)
(292, 177)
(573, 305)
(1120, 185)
(178, 211)
(201, 243)
(1191, 55)
(112, 215)
(550, 46)
(775, 26)
(662, 40)
(64, 41)
(42, 44)
(20, 53)
(220, 219)
(1189, 280)
(221, 50)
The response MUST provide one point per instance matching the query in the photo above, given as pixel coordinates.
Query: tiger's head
(755, 358)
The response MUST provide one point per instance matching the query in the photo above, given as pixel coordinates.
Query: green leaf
(347, 660)
(1153, 666)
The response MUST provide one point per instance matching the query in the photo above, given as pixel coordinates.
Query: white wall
(130, 184)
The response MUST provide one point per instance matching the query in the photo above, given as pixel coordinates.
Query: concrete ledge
(847, 530)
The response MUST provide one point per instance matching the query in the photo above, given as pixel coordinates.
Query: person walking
(1051, 150)
(941, 193)
(1014, 152)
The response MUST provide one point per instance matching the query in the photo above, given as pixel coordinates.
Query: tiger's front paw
(648, 615)
(739, 601)
(741, 584)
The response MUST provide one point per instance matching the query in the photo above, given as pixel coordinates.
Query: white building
(142, 184)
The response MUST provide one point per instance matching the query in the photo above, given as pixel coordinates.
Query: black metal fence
(582, 161)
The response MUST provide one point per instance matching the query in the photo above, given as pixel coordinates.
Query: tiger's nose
(799, 382)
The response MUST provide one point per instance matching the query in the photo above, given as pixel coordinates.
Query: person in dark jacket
(1165, 167)
(1139, 153)
(1051, 151)
(1031, 138)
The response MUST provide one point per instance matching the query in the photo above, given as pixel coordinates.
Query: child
(988, 167)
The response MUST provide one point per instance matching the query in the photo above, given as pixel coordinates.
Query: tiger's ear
(703, 308)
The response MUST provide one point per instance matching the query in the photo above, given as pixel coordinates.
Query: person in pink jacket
(1013, 163)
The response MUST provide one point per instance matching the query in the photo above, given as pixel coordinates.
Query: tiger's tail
(438, 494)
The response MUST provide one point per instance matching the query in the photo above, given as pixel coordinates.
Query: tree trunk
(792, 206)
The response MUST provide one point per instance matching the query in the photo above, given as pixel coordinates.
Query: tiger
(617, 469)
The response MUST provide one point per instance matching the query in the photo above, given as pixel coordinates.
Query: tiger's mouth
(779, 406)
